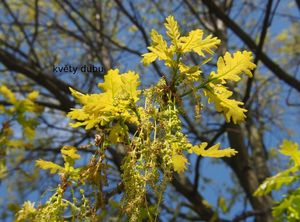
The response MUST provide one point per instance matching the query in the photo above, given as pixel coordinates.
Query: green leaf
(213, 151)
(276, 182)
(194, 42)
(70, 151)
(8, 94)
(112, 82)
(230, 67)
(220, 95)
(130, 81)
(291, 149)
(172, 29)
(33, 95)
(47, 165)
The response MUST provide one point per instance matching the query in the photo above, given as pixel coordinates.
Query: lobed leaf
(219, 95)
(172, 29)
(47, 165)
(291, 149)
(230, 67)
(194, 42)
(33, 95)
(213, 151)
(8, 94)
(71, 152)
(276, 182)
(112, 82)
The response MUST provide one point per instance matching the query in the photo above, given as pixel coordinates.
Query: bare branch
(273, 66)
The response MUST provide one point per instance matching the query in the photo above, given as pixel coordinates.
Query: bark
(259, 153)
(246, 174)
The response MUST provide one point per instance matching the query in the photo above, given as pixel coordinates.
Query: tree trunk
(244, 170)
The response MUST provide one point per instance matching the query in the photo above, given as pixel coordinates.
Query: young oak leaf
(8, 94)
(231, 109)
(290, 148)
(70, 151)
(116, 85)
(78, 114)
(131, 83)
(82, 98)
(112, 82)
(33, 95)
(99, 109)
(157, 49)
(276, 182)
(69, 154)
(48, 165)
(213, 151)
(230, 67)
(194, 42)
(172, 30)
(148, 58)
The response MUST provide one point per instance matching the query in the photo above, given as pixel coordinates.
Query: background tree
(37, 35)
